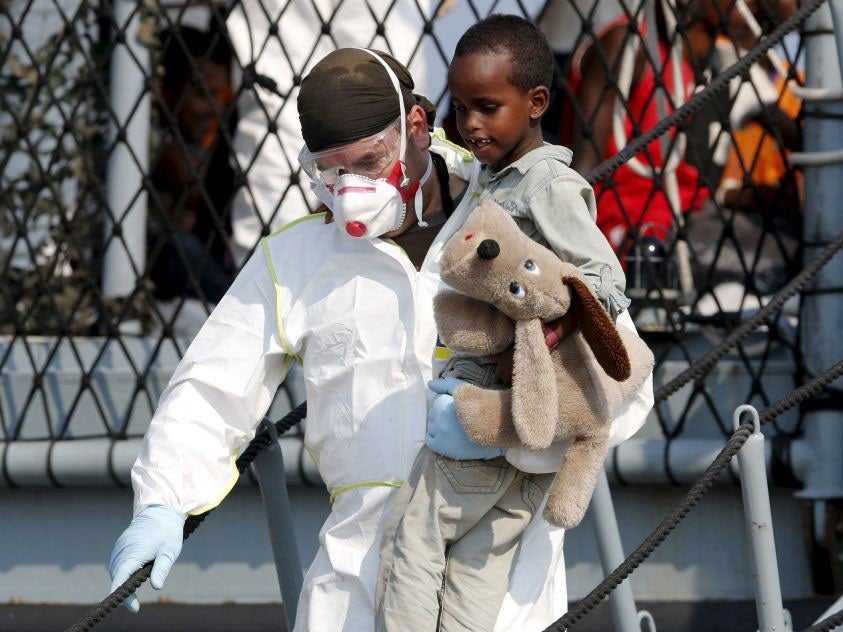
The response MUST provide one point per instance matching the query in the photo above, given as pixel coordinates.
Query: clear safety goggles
(369, 157)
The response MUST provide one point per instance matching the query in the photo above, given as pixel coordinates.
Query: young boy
(452, 534)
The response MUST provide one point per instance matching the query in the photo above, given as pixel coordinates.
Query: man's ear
(539, 97)
(417, 127)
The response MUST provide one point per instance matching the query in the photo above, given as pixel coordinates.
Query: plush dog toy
(507, 285)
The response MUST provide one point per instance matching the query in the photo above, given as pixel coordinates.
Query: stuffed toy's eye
(516, 289)
(531, 267)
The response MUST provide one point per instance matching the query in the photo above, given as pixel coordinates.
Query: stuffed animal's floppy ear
(471, 326)
(535, 400)
(600, 332)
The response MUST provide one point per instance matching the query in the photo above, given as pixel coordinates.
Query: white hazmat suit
(359, 317)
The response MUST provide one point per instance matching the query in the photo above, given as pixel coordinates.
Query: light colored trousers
(449, 543)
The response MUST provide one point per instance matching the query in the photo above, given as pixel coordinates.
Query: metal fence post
(822, 341)
(269, 469)
(836, 8)
(759, 524)
(624, 614)
(822, 304)
(125, 255)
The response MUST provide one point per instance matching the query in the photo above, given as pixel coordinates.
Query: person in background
(630, 204)
(756, 191)
(192, 178)
(763, 117)
(562, 22)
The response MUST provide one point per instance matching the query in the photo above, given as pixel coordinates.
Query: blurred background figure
(193, 179)
(606, 113)
(556, 21)
(763, 116)
(755, 190)
(635, 69)
(625, 77)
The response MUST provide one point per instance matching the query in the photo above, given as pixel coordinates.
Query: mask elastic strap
(417, 200)
(397, 86)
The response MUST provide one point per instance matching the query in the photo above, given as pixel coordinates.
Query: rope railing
(702, 366)
(828, 624)
(697, 491)
(119, 595)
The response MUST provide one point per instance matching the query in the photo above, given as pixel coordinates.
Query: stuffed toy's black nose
(488, 249)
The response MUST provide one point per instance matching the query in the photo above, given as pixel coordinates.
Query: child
(453, 531)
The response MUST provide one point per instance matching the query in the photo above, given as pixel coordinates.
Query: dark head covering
(348, 95)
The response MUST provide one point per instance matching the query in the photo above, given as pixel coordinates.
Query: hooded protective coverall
(359, 317)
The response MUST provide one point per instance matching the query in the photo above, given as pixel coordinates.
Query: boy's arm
(564, 213)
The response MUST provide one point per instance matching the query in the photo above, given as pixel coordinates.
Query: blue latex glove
(155, 533)
(445, 434)
(445, 385)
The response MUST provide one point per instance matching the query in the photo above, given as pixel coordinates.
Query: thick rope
(261, 441)
(697, 491)
(702, 366)
(828, 624)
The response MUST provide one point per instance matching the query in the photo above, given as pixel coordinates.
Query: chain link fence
(145, 148)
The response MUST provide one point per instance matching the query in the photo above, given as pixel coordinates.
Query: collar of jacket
(530, 159)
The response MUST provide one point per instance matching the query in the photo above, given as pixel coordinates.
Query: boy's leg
(442, 500)
(479, 564)
(398, 507)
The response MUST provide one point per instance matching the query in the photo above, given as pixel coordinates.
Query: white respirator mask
(363, 204)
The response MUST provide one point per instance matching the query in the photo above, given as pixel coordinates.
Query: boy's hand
(557, 330)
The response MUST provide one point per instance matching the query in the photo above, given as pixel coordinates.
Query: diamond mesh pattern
(216, 169)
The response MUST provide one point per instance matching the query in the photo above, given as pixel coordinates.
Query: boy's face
(497, 120)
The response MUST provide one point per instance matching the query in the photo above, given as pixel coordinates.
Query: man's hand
(445, 434)
(156, 533)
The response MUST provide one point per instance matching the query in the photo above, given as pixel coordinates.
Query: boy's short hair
(530, 54)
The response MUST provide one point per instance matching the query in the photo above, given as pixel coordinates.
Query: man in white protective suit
(351, 300)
